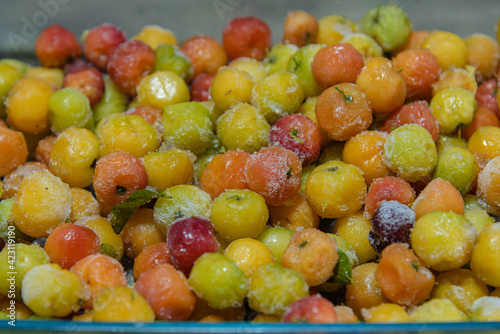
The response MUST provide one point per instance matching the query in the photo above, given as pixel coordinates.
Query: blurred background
(22, 21)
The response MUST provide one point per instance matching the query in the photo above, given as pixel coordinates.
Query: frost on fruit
(486, 309)
(393, 221)
(411, 152)
(43, 203)
(51, 291)
(181, 201)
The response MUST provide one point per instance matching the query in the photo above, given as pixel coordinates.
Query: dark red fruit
(188, 239)
(200, 87)
(392, 222)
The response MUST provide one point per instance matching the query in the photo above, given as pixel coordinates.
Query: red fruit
(56, 45)
(486, 95)
(247, 37)
(299, 134)
(130, 62)
(413, 113)
(200, 87)
(313, 309)
(206, 54)
(89, 81)
(388, 188)
(275, 173)
(188, 239)
(69, 243)
(101, 42)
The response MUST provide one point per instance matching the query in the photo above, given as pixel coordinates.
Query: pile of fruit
(350, 173)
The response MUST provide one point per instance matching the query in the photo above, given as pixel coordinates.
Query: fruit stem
(294, 134)
(120, 190)
(348, 98)
(415, 266)
(236, 197)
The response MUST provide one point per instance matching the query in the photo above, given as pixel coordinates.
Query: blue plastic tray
(244, 327)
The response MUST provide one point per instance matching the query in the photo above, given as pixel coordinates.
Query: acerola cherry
(188, 239)
(69, 243)
(247, 37)
(299, 134)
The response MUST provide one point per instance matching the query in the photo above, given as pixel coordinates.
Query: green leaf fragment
(343, 270)
(121, 213)
(109, 250)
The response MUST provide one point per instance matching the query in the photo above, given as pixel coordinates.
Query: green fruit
(204, 158)
(411, 152)
(49, 290)
(188, 126)
(457, 165)
(388, 24)
(471, 202)
(277, 58)
(444, 142)
(181, 201)
(276, 239)
(273, 288)
(365, 44)
(243, 127)
(300, 65)
(18, 259)
(6, 223)
(454, 108)
(219, 281)
(112, 102)
(69, 107)
(278, 95)
(17, 64)
(479, 218)
(8, 76)
(170, 58)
